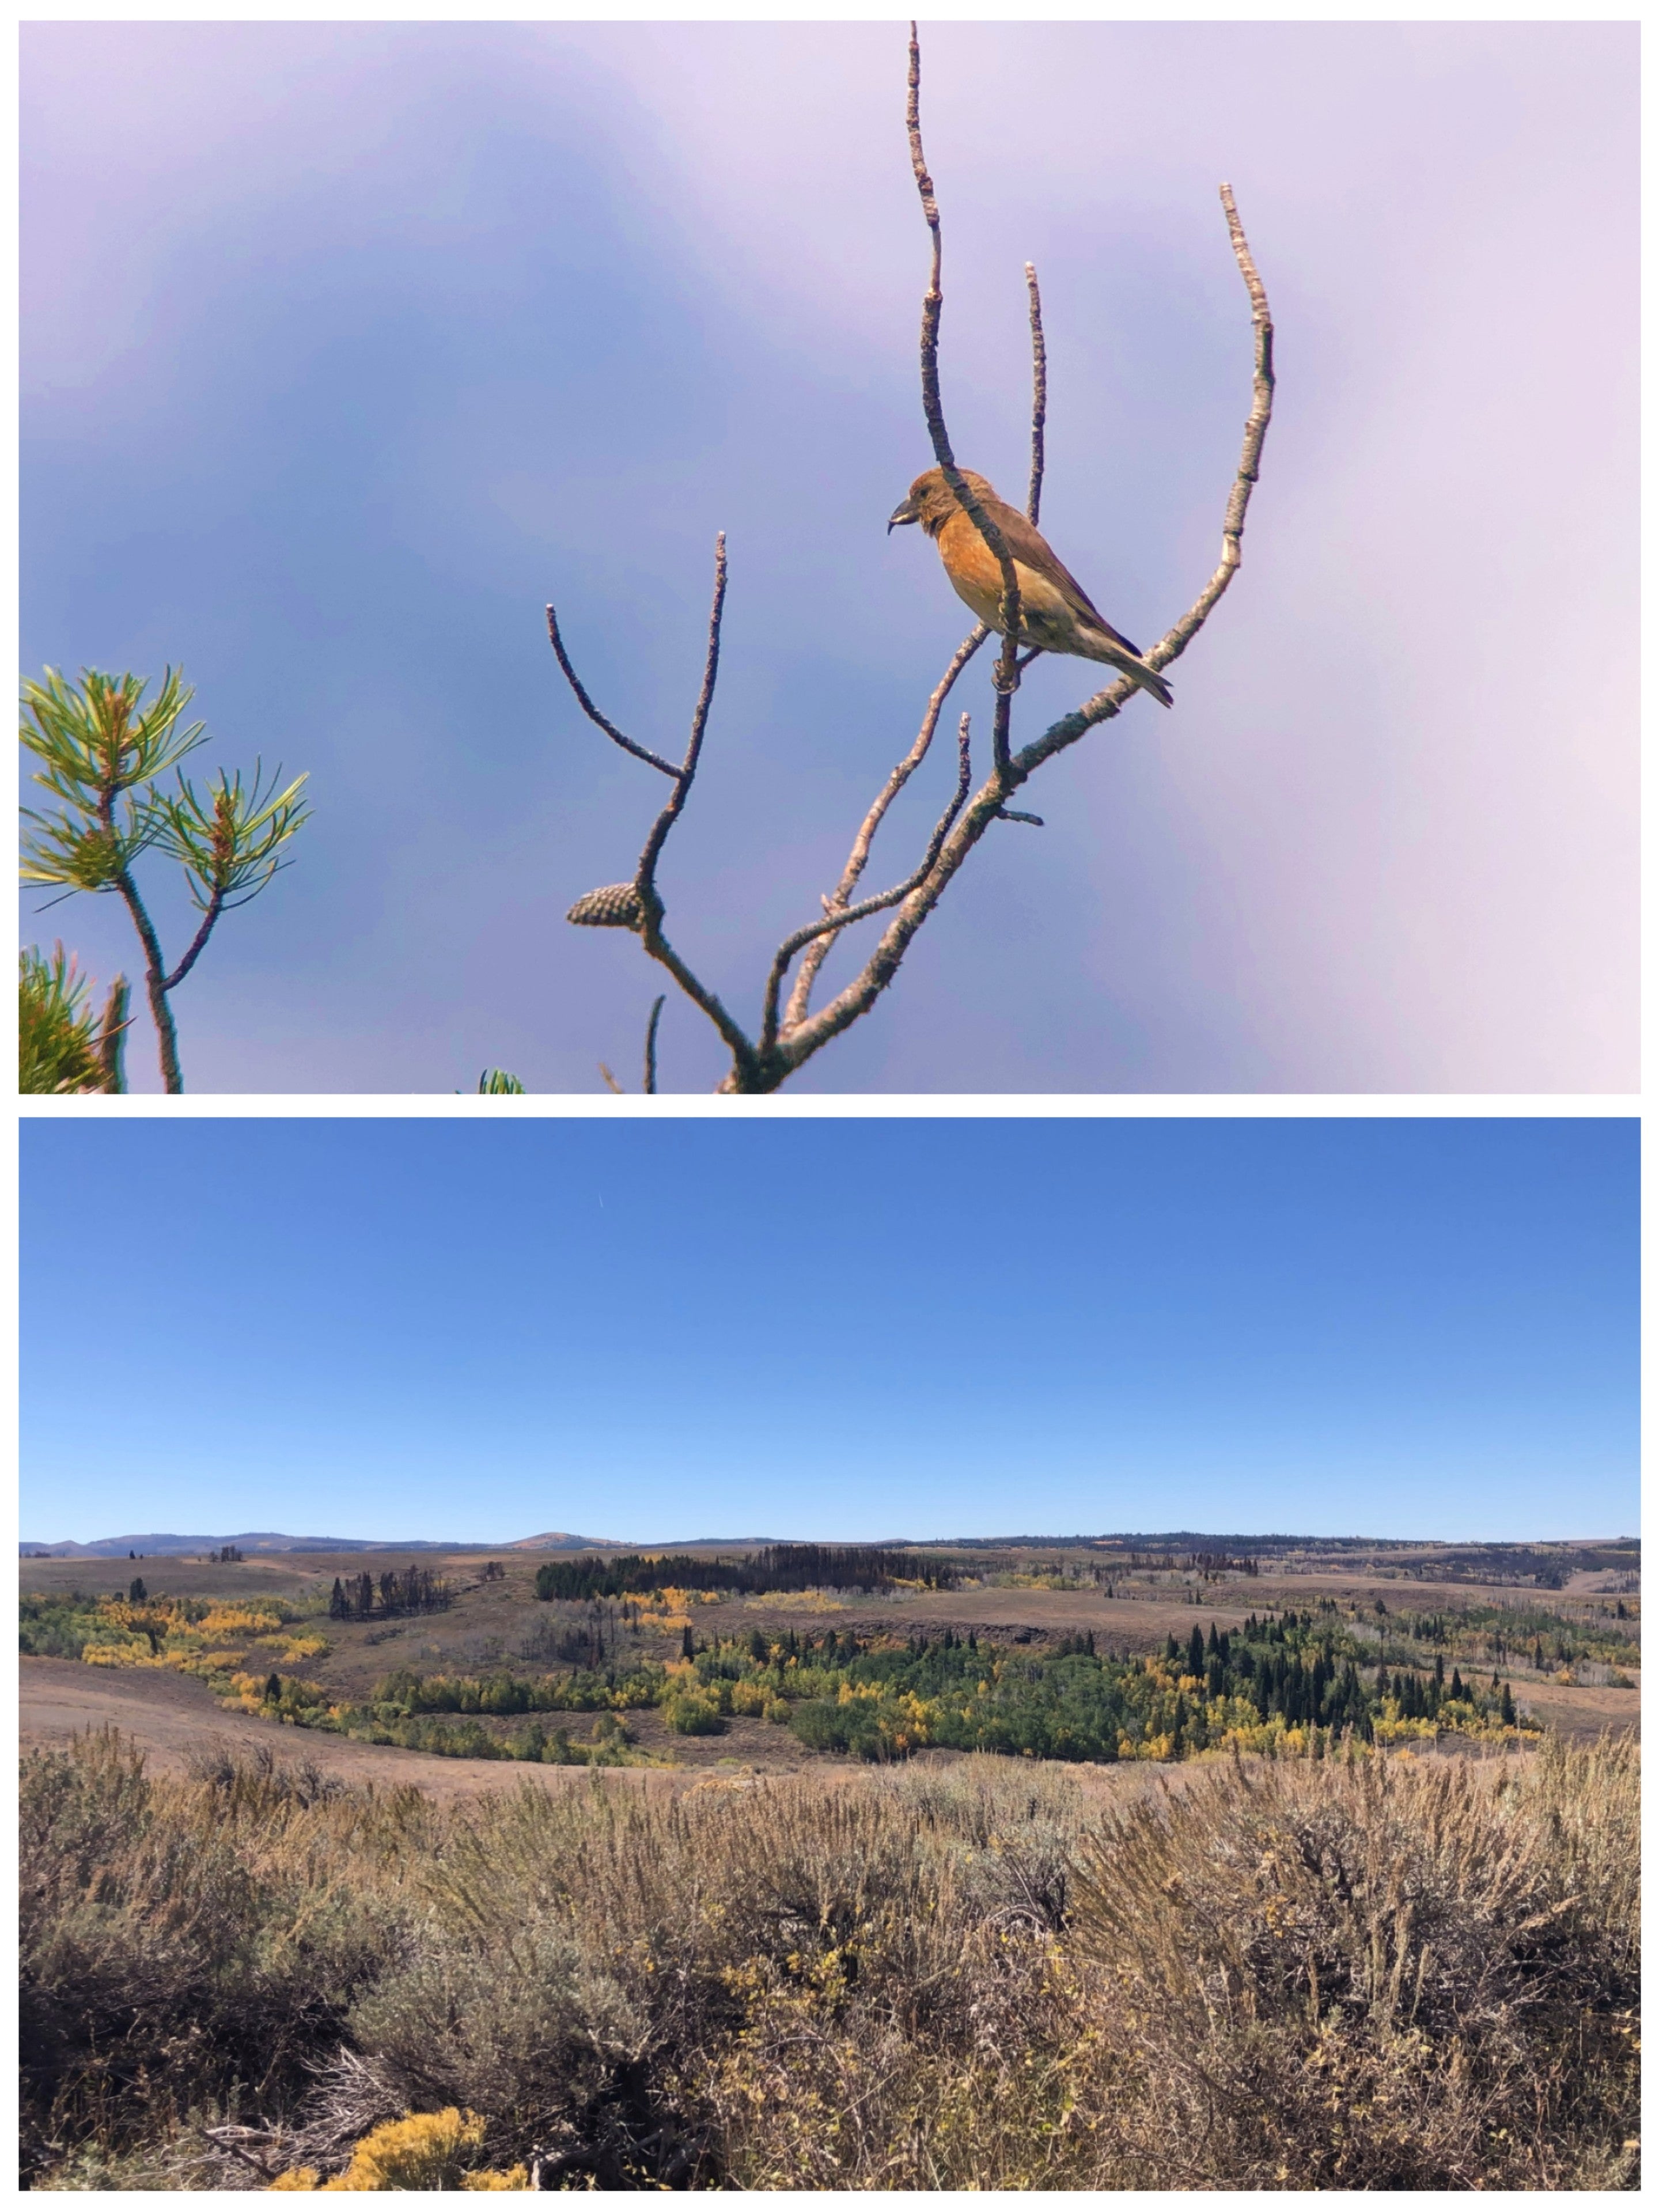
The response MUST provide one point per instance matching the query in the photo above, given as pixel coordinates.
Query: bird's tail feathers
(1149, 680)
(1117, 653)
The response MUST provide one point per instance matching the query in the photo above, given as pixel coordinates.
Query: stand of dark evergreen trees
(1282, 1666)
(778, 1567)
(418, 1590)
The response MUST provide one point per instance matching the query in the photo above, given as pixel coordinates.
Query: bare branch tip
(651, 1045)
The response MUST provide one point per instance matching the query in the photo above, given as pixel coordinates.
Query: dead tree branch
(1005, 680)
(639, 905)
(651, 1044)
(1039, 396)
(816, 952)
(787, 1044)
(640, 752)
(819, 950)
(1176, 639)
(842, 917)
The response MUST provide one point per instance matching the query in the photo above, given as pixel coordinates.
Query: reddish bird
(1055, 612)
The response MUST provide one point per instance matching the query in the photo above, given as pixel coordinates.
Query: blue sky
(835, 1328)
(346, 347)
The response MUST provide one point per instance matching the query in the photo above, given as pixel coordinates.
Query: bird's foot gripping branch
(1002, 567)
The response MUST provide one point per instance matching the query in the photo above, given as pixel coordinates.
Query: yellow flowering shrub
(427, 2150)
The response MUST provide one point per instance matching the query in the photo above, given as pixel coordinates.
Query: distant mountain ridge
(266, 1540)
(556, 1540)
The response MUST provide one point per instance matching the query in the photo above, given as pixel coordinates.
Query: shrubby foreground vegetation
(1358, 1972)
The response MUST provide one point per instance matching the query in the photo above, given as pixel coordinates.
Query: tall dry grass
(1412, 1973)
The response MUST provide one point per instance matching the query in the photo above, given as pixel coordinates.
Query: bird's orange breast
(977, 577)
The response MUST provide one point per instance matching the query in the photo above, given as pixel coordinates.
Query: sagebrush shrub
(1401, 1973)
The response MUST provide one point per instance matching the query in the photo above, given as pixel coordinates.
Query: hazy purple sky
(348, 346)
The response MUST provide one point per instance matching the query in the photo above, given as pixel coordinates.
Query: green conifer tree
(103, 754)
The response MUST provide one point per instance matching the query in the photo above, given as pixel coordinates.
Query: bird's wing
(1030, 547)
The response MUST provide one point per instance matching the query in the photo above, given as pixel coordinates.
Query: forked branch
(1005, 680)
(787, 1042)
(639, 906)
(842, 916)
(819, 950)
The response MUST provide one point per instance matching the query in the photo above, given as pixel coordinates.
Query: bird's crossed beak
(904, 512)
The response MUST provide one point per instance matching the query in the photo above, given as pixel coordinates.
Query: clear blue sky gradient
(346, 347)
(852, 1329)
